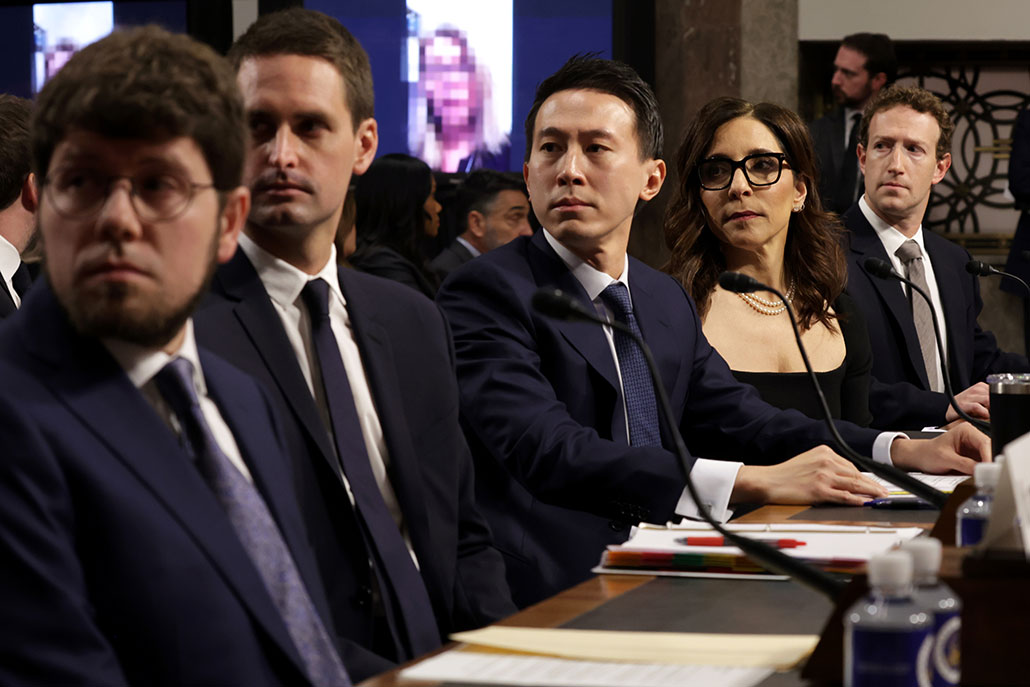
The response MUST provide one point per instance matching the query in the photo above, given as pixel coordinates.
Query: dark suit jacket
(450, 258)
(541, 404)
(972, 353)
(1019, 184)
(828, 138)
(389, 264)
(118, 563)
(408, 360)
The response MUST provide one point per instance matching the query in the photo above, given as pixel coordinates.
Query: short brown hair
(920, 100)
(15, 157)
(146, 83)
(813, 256)
(297, 31)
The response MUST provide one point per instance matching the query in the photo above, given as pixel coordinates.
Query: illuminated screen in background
(458, 56)
(62, 29)
(454, 79)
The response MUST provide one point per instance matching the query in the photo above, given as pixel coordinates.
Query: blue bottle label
(882, 658)
(946, 656)
(971, 531)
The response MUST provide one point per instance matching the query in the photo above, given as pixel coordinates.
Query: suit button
(616, 526)
(363, 597)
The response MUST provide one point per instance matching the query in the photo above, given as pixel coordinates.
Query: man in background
(17, 200)
(493, 209)
(864, 65)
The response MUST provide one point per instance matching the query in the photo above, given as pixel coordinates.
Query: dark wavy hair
(813, 256)
(391, 197)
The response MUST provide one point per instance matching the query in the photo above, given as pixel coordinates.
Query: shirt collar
(283, 281)
(890, 237)
(141, 364)
(592, 280)
(9, 259)
(469, 247)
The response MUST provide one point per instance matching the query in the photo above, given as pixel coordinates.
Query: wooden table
(594, 593)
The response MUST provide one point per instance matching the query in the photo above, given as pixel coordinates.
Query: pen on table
(719, 541)
(903, 503)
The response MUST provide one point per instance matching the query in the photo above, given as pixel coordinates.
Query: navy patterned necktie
(637, 387)
(395, 567)
(255, 528)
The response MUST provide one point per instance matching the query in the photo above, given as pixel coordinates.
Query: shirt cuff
(714, 480)
(882, 446)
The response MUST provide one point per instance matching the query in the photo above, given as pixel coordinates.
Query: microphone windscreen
(878, 268)
(557, 304)
(739, 283)
(979, 268)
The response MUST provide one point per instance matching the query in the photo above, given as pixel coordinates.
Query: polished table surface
(666, 604)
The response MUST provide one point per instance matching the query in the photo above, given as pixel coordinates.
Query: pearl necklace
(764, 307)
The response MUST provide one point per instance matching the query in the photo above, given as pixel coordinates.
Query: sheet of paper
(604, 570)
(945, 483)
(769, 651)
(501, 669)
(821, 544)
(1009, 526)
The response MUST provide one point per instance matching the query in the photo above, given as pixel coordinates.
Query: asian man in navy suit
(369, 394)
(569, 450)
(904, 150)
(148, 532)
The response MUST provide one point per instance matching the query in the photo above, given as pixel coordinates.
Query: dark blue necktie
(395, 567)
(255, 528)
(637, 388)
(21, 281)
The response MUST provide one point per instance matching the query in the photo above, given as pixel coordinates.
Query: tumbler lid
(1009, 383)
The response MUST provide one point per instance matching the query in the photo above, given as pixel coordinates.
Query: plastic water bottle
(937, 597)
(888, 637)
(973, 514)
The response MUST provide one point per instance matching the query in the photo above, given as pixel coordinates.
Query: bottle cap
(986, 474)
(891, 569)
(926, 555)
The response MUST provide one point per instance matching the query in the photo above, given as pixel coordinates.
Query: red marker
(719, 541)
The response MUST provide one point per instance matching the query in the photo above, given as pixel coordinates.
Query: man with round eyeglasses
(148, 532)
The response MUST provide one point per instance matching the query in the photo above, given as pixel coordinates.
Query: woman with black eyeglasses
(747, 201)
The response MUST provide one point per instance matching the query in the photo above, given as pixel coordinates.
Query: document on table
(502, 669)
(781, 652)
(945, 483)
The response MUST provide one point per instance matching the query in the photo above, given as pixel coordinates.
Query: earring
(799, 208)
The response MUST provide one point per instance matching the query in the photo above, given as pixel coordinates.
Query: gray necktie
(912, 258)
(255, 527)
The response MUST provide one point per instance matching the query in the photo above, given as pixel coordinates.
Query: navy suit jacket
(450, 258)
(1019, 184)
(117, 563)
(409, 363)
(972, 352)
(541, 404)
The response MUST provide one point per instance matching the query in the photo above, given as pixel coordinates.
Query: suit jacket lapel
(953, 309)
(239, 281)
(91, 384)
(377, 356)
(588, 339)
(865, 243)
(7, 306)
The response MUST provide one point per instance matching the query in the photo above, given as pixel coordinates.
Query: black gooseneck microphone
(560, 306)
(881, 269)
(982, 269)
(742, 283)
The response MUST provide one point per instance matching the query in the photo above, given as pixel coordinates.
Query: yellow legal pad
(781, 652)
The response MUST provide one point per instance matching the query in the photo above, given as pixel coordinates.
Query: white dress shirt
(142, 365)
(284, 284)
(892, 239)
(469, 247)
(10, 261)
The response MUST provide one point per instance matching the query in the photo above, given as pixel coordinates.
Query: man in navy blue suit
(361, 367)
(147, 529)
(17, 200)
(904, 145)
(569, 450)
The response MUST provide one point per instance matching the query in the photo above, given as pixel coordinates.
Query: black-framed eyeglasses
(157, 196)
(760, 169)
